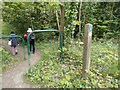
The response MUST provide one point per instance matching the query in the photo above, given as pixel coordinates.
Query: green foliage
(14, 13)
(49, 72)
(70, 22)
(6, 29)
(6, 59)
(103, 15)
(17, 14)
(105, 24)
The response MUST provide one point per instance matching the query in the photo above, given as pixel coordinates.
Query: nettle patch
(49, 72)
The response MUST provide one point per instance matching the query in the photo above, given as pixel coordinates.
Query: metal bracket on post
(36, 31)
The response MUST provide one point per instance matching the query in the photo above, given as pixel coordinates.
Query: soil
(13, 77)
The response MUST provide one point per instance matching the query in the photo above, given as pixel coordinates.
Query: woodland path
(13, 77)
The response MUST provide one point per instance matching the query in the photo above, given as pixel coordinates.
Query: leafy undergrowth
(49, 72)
(6, 59)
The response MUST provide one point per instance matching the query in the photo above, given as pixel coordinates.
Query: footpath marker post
(87, 48)
(118, 60)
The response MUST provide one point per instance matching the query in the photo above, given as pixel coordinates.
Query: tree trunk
(30, 17)
(62, 22)
(79, 18)
(50, 15)
(57, 18)
(111, 15)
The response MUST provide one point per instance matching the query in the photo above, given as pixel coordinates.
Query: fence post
(87, 48)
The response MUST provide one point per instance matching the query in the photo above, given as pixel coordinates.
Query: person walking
(32, 39)
(14, 43)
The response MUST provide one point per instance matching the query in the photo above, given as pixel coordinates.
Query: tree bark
(62, 22)
(30, 17)
(79, 18)
(50, 14)
(111, 15)
(57, 18)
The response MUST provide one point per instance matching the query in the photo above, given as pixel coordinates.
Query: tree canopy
(104, 16)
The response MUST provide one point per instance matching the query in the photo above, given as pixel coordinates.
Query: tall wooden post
(1, 21)
(87, 48)
(119, 60)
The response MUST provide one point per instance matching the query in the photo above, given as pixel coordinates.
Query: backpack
(32, 37)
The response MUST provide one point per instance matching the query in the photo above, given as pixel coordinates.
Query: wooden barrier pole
(87, 48)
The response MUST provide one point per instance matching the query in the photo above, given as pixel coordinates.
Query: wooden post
(87, 48)
(119, 60)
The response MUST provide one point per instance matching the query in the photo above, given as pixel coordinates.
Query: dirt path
(13, 77)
